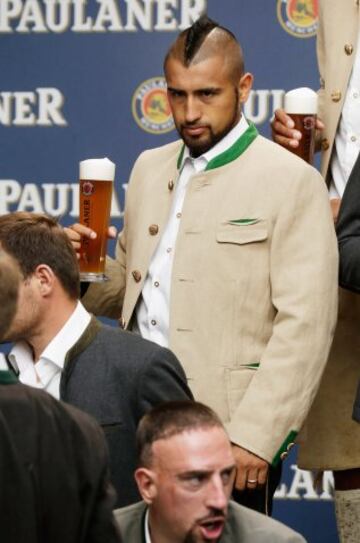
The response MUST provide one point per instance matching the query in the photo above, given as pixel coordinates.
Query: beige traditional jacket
(330, 439)
(254, 282)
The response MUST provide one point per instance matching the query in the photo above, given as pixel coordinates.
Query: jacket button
(290, 446)
(325, 144)
(283, 455)
(336, 96)
(136, 275)
(170, 184)
(122, 323)
(348, 49)
(153, 229)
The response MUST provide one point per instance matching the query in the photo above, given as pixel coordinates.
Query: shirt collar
(58, 347)
(146, 527)
(231, 137)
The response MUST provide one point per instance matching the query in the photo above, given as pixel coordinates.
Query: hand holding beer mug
(301, 106)
(96, 183)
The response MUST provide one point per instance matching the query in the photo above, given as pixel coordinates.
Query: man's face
(205, 102)
(28, 311)
(194, 476)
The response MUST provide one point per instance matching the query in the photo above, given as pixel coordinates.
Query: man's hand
(335, 206)
(78, 231)
(282, 128)
(251, 470)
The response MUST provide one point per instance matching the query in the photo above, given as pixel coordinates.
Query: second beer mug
(301, 105)
(96, 182)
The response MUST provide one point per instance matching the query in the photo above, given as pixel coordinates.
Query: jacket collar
(231, 154)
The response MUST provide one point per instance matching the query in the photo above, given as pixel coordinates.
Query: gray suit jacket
(243, 525)
(117, 377)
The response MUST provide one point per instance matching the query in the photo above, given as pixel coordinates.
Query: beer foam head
(302, 101)
(97, 169)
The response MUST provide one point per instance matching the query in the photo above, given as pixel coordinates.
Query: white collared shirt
(3, 363)
(46, 372)
(347, 139)
(153, 310)
(147, 529)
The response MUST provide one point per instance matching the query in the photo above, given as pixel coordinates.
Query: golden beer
(95, 205)
(301, 105)
(306, 125)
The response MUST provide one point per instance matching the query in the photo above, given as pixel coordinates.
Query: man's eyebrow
(194, 473)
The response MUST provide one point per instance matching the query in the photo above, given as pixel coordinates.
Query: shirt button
(156, 284)
(178, 215)
(356, 95)
(353, 138)
(153, 322)
(168, 250)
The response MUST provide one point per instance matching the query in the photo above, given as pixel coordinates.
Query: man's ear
(245, 86)
(45, 278)
(146, 482)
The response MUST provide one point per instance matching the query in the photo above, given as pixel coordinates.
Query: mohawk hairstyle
(196, 35)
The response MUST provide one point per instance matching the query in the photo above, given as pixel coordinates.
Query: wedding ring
(252, 481)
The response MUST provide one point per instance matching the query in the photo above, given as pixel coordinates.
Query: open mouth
(211, 529)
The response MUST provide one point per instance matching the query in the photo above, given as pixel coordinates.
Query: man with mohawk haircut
(228, 256)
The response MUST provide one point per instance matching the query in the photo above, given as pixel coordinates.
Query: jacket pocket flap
(229, 233)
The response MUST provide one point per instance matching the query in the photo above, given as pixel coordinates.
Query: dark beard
(199, 149)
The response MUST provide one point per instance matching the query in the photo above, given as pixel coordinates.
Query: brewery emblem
(298, 17)
(309, 122)
(150, 106)
(87, 188)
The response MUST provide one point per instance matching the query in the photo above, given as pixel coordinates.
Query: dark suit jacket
(242, 525)
(54, 485)
(117, 377)
(348, 232)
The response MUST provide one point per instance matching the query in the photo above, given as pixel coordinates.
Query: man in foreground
(185, 476)
(113, 375)
(54, 477)
(225, 236)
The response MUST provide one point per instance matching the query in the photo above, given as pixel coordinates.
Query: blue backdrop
(83, 78)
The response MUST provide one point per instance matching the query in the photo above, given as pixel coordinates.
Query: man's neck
(158, 533)
(52, 322)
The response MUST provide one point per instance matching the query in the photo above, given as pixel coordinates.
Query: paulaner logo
(150, 106)
(298, 17)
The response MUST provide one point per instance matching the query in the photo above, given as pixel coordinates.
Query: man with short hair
(226, 236)
(54, 475)
(113, 375)
(185, 476)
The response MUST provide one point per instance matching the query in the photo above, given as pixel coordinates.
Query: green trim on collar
(284, 449)
(235, 150)
(230, 154)
(180, 159)
(7, 378)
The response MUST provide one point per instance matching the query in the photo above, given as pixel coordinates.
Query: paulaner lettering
(41, 16)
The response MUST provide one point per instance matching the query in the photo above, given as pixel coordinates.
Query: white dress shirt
(46, 372)
(347, 140)
(153, 309)
(3, 363)
(147, 529)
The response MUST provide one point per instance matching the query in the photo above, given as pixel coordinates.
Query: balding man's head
(9, 284)
(205, 39)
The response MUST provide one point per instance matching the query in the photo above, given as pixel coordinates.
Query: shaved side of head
(205, 39)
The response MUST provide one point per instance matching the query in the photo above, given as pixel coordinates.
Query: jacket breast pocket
(242, 234)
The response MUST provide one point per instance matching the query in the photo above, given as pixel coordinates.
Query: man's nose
(217, 495)
(192, 110)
